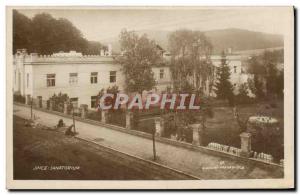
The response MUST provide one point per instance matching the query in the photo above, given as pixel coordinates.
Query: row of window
(73, 78)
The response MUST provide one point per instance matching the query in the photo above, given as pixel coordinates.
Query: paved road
(44, 154)
(203, 165)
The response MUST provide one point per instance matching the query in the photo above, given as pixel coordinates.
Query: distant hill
(237, 39)
(240, 40)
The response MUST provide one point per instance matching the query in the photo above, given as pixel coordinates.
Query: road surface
(48, 154)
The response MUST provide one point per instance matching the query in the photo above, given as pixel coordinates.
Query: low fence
(212, 148)
(237, 152)
(223, 148)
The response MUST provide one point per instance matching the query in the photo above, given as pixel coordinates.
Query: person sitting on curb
(69, 131)
(60, 123)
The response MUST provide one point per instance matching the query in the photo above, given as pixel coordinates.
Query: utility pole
(31, 108)
(154, 150)
(73, 119)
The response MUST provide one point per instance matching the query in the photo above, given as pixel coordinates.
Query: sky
(98, 24)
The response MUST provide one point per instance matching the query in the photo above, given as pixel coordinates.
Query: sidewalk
(200, 164)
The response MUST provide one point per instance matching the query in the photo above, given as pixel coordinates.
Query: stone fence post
(197, 139)
(129, 118)
(40, 101)
(103, 116)
(83, 110)
(51, 104)
(159, 126)
(44, 104)
(27, 99)
(65, 107)
(245, 144)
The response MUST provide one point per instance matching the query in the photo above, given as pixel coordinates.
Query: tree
(44, 34)
(255, 66)
(140, 54)
(21, 31)
(265, 70)
(224, 88)
(243, 94)
(271, 77)
(206, 112)
(256, 87)
(190, 59)
(280, 84)
(191, 70)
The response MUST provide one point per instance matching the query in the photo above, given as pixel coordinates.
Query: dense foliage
(44, 34)
(140, 54)
(268, 75)
(58, 101)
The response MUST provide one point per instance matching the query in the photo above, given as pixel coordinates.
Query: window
(234, 69)
(27, 82)
(161, 73)
(73, 78)
(50, 80)
(112, 76)
(93, 101)
(94, 77)
(74, 102)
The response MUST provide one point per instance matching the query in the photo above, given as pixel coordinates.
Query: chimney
(21, 51)
(34, 56)
(229, 50)
(102, 53)
(109, 50)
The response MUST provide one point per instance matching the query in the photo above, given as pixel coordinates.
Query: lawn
(224, 129)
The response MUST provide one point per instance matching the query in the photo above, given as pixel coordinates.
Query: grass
(224, 129)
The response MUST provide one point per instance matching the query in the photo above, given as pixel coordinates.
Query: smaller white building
(238, 75)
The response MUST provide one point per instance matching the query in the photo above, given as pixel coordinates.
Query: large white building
(80, 77)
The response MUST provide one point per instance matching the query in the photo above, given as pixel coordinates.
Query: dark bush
(59, 101)
(94, 115)
(273, 105)
(147, 126)
(19, 98)
(117, 117)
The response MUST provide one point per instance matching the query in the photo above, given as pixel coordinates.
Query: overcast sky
(102, 24)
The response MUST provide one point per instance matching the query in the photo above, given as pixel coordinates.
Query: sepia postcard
(150, 97)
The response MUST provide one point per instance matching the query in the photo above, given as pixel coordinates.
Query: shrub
(94, 115)
(117, 117)
(242, 97)
(58, 101)
(19, 98)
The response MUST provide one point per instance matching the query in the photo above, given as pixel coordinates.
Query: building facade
(80, 77)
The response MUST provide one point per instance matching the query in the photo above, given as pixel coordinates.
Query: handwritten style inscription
(56, 168)
(222, 165)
